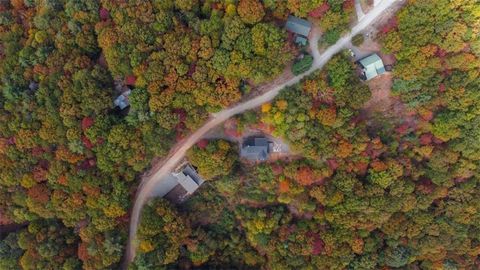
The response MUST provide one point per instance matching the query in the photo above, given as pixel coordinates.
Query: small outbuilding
(122, 101)
(33, 86)
(372, 66)
(256, 149)
(300, 27)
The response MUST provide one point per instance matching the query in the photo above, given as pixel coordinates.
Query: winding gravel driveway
(147, 186)
(359, 10)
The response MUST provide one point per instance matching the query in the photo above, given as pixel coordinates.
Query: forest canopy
(376, 192)
(70, 159)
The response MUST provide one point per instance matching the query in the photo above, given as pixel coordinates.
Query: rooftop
(301, 41)
(190, 171)
(186, 182)
(122, 101)
(255, 149)
(372, 66)
(177, 186)
(298, 26)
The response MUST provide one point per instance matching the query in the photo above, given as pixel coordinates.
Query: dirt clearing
(381, 100)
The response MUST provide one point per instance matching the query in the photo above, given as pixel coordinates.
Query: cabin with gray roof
(256, 149)
(300, 27)
(372, 66)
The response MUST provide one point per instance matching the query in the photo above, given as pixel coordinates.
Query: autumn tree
(251, 11)
(216, 159)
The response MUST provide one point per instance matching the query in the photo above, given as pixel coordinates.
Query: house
(122, 101)
(300, 27)
(256, 149)
(372, 66)
(180, 185)
(189, 179)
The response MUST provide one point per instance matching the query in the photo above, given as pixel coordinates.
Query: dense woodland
(391, 191)
(386, 192)
(69, 160)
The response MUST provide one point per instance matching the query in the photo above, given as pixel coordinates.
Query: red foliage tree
(441, 53)
(104, 14)
(442, 88)
(426, 139)
(277, 169)
(130, 80)
(87, 122)
(82, 251)
(319, 11)
(37, 151)
(390, 25)
(426, 115)
(202, 143)
(317, 244)
(333, 164)
(87, 142)
(402, 129)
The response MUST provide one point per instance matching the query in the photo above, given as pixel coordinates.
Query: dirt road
(359, 10)
(144, 191)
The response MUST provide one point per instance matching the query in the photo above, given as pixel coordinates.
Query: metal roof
(372, 66)
(188, 170)
(301, 40)
(298, 26)
(255, 149)
(122, 100)
(186, 182)
(183, 183)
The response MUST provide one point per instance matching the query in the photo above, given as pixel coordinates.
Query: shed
(301, 40)
(255, 149)
(372, 66)
(122, 101)
(298, 26)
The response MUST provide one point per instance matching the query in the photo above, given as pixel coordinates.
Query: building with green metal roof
(372, 66)
(300, 27)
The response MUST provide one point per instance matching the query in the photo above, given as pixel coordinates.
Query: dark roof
(298, 26)
(255, 149)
